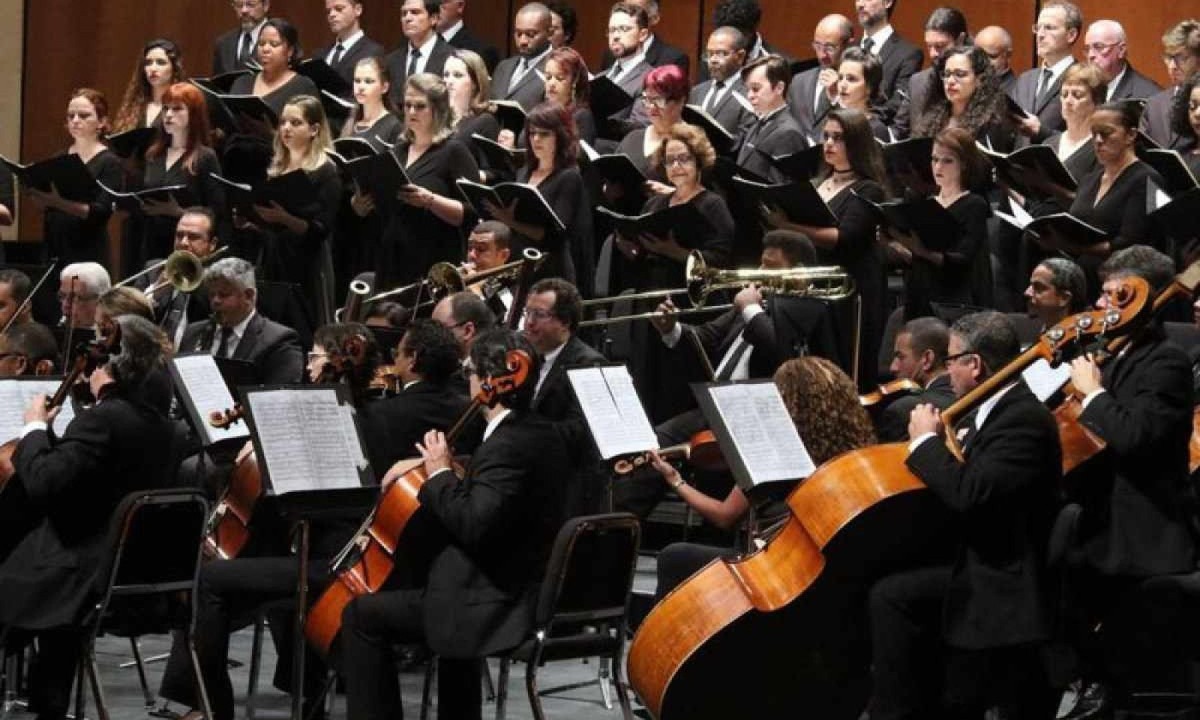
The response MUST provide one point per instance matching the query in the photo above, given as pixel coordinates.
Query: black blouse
(159, 232)
(965, 275)
(385, 129)
(73, 239)
(1080, 163)
(1121, 213)
(572, 252)
(716, 246)
(277, 98)
(859, 252)
(415, 238)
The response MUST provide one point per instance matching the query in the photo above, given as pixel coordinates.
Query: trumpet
(829, 282)
(182, 270)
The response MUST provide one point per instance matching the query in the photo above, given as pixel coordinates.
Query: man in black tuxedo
(1137, 501)
(996, 42)
(450, 26)
(723, 95)
(1107, 50)
(519, 78)
(499, 523)
(920, 356)
(237, 331)
(900, 58)
(813, 91)
(952, 641)
(1059, 25)
(656, 52)
(235, 50)
(173, 310)
(553, 312)
(945, 28)
(1181, 52)
(424, 50)
(775, 132)
(70, 488)
(350, 43)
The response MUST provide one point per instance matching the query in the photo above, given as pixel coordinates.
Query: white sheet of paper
(1045, 380)
(306, 444)
(14, 398)
(764, 435)
(612, 410)
(206, 389)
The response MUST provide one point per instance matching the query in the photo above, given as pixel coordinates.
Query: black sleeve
(475, 511)
(1135, 227)
(283, 362)
(856, 223)
(211, 194)
(48, 470)
(565, 195)
(329, 197)
(459, 163)
(972, 221)
(717, 246)
(111, 174)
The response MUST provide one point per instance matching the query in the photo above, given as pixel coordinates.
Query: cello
(857, 517)
(365, 564)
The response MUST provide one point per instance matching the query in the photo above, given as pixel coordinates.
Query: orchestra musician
(1137, 504)
(466, 316)
(79, 288)
(71, 486)
(27, 348)
(235, 50)
(77, 231)
(236, 329)
(195, 232)
(500, 521)
(920, 356)
(955, 640)
(15, 288)
(1057, 288)
(488, 247)
(350, 44)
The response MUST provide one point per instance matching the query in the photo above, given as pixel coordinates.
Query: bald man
(1107, 51)
(813, 91)
(998, 44)
(519, 78)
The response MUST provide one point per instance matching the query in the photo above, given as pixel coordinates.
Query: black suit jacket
(225, 53)
(657, 55)
(901, 60)
(1004, 495)
(912, 105)
(1136, 498)
(364, 48)
(528, 92)
(198, 307)
(71, 487)
(729, 111)
(1048, 107)
(465, 40)
(556, 401)
(397, 65)
(392, 427)
(779, 135)
(800, 102)
(501, 519)
(1156, 119)
(1133, 84)
(790, 327)
(273, 349)
(892, 423)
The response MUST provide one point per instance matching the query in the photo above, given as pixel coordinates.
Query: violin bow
(29, 298)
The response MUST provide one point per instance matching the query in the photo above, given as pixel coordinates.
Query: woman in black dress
(295, 241)
(77, 231)
(853, 166)
(551, 147)
(376, 121)
(422, 226)
(962, 272)
(966, 94)
(248, 152)
(469, 85)
(859, 76)
(181, 156)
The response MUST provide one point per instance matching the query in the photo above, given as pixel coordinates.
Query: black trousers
(52, 672)
(679, 561)
(371, 625)
(228, 598)
(916, 675)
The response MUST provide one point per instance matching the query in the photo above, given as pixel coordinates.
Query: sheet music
(14, 398)
(1045, 380)
(206, 389)
(613, 411)
(763, 433)
(308, 441)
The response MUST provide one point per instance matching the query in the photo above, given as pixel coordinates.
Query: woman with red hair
(664, 93)
(180, 156)
(566, 79)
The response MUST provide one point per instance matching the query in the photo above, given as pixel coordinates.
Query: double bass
(799, 599)
(366, 562)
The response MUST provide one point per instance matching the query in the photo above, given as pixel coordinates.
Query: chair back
(590, 573)
(156, 540)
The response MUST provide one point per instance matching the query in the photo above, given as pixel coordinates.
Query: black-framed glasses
(957, 356)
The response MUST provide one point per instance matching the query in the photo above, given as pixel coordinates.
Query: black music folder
(1016, 169)
(510, 115)
(66, 172)
(1175, 173)
(721, 139)
(615, 168)
(1176, 216)
(800, 201)
(132, 202)
(684, 220)
(221, 84)
(381, 174)
(924, 217)
(1061, 231)
(325, 77)
(800, 165)
(531, 207)
(293, 191)
(911, 156)
(132, 143)
(607, 98)
(498, 156)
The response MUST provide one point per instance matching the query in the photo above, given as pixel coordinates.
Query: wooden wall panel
(1145, 23)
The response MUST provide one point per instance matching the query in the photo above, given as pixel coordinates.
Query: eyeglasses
(826, 47)
(656, 101)
(680, 160)
(416, 106)
(957, 356)
(957, 74)
(537, 314)
(1100, 48)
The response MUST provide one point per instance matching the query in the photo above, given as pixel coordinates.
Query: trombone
(827, 282)
(181, 270)
(445, 278)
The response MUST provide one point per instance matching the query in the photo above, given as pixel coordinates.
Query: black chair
(156, 539)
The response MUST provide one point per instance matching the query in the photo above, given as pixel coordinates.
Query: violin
(366, 562)
(888, 390)
(858, 516)
(701, 451)
(88, 356)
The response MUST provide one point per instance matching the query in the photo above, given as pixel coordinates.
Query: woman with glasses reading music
(968, 97)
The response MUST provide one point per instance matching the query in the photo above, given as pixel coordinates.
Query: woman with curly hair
(160, 66)
(823, 404)
(1185, 121)
(968, 97)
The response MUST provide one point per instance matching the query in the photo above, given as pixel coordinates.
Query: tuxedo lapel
(249, 338)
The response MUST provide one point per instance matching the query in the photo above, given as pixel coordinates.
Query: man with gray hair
(1107, 51)
(1058, 26)
(1181, 54)
(812, 92)
(985, 614)
(723, 95)
(237, 331)
(80, 286)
